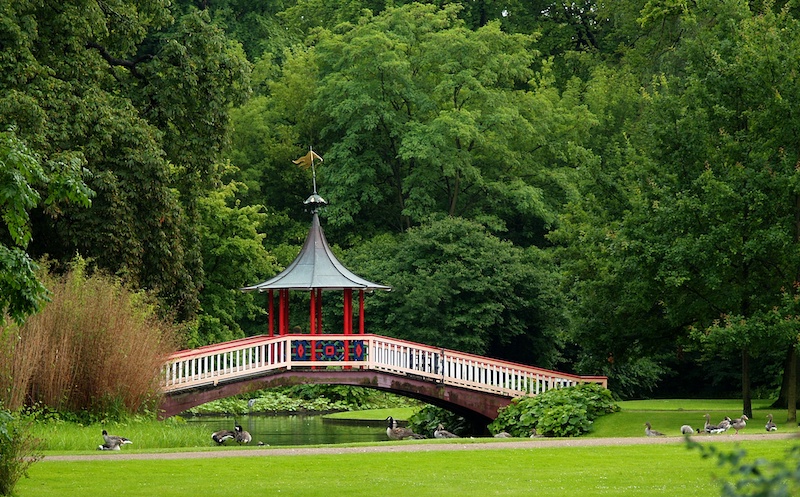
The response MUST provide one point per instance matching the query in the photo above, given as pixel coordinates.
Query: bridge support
(478, 408)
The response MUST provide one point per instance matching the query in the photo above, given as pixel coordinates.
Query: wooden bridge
(472, 386)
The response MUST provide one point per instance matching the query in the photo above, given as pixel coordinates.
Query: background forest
(596, 187)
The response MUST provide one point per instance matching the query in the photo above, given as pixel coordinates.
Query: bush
(18, 450)
(563, 412)
(426, 420)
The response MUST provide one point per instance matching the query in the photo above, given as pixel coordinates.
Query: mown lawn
(558, 471)
(639, 470)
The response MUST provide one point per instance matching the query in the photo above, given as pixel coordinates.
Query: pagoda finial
(307, 161)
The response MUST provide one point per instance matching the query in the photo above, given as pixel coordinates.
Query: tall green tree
(142, 101)
(233, 256)
(710, 234)
(455, 285)
(421, 114)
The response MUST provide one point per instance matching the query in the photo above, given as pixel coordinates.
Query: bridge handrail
(252, 356)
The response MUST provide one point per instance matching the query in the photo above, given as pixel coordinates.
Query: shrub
(18, 450)
(563, 412)
(427, 419)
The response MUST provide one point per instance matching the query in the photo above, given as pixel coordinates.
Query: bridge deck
(257, 356)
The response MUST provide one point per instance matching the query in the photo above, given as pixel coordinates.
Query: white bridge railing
(256, 356)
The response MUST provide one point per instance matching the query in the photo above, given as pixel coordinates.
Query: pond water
(295, 429)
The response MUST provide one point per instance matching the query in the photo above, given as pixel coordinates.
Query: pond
(296, 429)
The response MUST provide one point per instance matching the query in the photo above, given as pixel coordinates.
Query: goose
(535, 434)
(686, 430)
(440, 432)
(112, 442)
(739, 424)
(222, 435)
(708, 427)
(242, 436)
(770, 426)
(503, 434)
(395, 432)
(725, 424)
(650, 432)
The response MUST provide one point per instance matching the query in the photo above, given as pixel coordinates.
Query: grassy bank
(174, 434)
(564, 471)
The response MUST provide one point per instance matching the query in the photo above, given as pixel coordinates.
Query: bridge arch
(478, 408)
(470, 385)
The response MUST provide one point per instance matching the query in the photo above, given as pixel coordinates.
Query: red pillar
(348, 311)
(361, 311)
(312, 325)
(284, 315)
(271, 314)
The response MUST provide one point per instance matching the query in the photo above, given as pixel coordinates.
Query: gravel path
(419, 447)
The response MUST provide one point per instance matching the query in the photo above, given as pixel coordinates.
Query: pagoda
(315, 270)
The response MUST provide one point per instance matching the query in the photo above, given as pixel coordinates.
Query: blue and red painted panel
(329, 350)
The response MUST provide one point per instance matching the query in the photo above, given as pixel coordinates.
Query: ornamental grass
(96, 348)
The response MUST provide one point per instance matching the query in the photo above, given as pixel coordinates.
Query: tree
(23, 177)
(142, 102)
(710, 232)
(420, 114)
(233, 256)
(455, 285)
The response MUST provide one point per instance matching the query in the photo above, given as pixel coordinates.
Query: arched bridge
(472, 386)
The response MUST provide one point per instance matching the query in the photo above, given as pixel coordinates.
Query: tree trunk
(747, 404)
(789, 383)
(791, 393)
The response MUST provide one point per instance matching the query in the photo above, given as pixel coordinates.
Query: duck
(687, 430)
(740, 423)
(222, 435)
(770, 426)
(242, 436)
(112, 442)
(395, 432)
(650, 432)
(440, 432)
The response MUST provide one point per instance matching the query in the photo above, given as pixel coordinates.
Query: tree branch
(113, 61)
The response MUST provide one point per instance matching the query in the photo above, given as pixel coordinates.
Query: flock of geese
(241, 436)
(396, 432)
(713, 429)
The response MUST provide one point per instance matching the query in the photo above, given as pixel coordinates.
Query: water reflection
(295, 429)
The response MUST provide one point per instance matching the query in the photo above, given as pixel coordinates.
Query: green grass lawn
(552, 471)
(559, 471)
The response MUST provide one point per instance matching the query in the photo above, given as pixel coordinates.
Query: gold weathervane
(307, 161)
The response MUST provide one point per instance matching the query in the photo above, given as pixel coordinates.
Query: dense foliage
(309, 398)
(560, 412)
(600, 187)
(427, 420)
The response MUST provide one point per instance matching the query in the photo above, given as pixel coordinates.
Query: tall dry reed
(95, 348)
